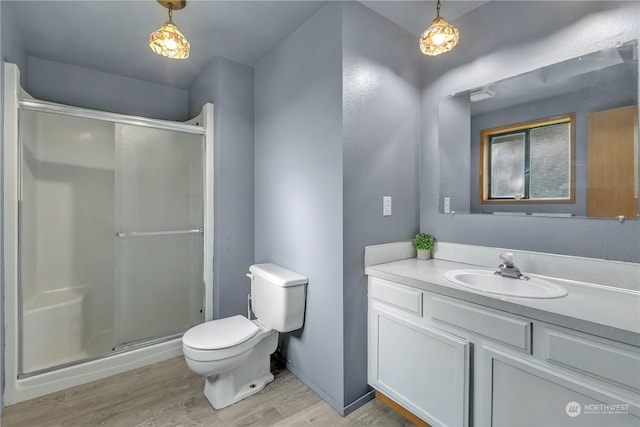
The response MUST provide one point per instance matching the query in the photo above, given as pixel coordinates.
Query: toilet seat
(219, 334)
(242, 331)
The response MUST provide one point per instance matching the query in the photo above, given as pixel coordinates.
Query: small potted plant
(423, 243)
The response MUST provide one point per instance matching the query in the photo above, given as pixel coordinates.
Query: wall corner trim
(370, 395)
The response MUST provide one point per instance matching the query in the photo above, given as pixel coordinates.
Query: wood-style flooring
(169, 394)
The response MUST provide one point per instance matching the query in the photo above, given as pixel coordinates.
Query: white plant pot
(424, 254)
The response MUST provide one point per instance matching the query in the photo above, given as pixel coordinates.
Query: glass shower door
(159, 239)
(66, 228)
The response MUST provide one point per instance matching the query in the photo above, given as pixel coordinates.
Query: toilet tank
(278, 296)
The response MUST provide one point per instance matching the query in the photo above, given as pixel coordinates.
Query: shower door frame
(20, 389)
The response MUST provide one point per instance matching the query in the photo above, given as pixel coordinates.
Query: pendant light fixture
(440, 37)
(168, 40)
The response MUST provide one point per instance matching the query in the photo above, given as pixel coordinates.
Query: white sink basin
(487, 281)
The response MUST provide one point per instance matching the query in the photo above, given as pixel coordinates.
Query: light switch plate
(386, 206)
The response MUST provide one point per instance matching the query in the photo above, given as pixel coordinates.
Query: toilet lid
(221, 333)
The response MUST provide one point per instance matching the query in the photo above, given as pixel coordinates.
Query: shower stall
(108, 240)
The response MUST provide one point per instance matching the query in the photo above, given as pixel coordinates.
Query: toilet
(234, 353)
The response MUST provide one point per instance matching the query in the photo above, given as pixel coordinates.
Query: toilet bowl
(234, 353)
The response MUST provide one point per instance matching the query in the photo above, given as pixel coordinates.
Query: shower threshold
(118, 349)
(145, 342)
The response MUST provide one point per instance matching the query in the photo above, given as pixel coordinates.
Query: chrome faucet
(508, 268)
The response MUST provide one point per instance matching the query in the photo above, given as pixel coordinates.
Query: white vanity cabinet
(517, 391)
(424, 369)
(456, 363)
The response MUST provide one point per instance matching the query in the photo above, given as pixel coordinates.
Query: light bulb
(438, 39)
(168, 41)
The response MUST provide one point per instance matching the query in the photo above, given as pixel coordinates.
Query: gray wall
(454, 121)
(381, 109)
(336, 130)
(298, 188)
(229, 86)
(12, 49)
(82, 87)
(536, 33)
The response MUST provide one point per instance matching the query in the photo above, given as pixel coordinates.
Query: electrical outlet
(447, 205)
(386, 206)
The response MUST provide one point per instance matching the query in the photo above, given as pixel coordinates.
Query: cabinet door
(518, 392)
(422, 368)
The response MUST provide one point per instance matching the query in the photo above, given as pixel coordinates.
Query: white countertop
(609, 312)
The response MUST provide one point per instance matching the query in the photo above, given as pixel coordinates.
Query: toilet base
(221, 398)
(247, 379)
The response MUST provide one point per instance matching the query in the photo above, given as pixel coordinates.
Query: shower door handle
(157, 233)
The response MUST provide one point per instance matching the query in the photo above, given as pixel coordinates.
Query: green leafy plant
(423, 241)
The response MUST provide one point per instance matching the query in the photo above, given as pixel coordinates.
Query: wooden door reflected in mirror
(612, 161)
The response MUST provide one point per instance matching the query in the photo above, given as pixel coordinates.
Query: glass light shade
(168, 41)
(439, 38)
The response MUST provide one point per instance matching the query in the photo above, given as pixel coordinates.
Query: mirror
(557, 141)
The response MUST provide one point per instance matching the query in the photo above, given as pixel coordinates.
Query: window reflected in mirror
(528, 162)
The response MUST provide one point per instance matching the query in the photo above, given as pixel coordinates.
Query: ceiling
(416, 16)
(112, 36)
